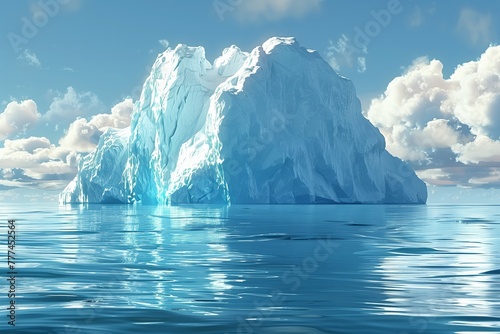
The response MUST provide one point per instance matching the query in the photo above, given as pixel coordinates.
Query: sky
(427, 74)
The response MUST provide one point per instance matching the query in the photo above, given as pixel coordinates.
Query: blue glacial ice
(276, 125)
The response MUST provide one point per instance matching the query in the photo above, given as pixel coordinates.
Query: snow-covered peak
(231, 61)
(274, 42)
(182, 58)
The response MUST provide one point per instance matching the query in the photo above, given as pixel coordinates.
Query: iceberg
(276, 125)
(99, 178)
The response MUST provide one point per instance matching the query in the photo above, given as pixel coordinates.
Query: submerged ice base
(276, 125)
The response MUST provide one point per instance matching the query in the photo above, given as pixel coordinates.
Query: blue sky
(61, 60)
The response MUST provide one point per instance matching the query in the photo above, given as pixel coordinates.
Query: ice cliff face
(277, 125)
(99, 177)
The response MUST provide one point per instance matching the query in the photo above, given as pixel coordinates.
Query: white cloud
(17, 118)
(30, 58)
(38, 148)
(35, 162)
(444, 125)
(482, 149)
(27, 144)
(477, 101)
(67, 107)
(273, 10)
(476, 26)
(164, 43)
(436, 176)
(119, 117)
(83, 135)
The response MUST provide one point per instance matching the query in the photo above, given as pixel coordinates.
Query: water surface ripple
(255, 269)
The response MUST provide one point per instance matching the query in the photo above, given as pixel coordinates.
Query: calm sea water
(254, 269)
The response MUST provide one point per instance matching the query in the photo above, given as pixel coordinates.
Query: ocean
(251, 269)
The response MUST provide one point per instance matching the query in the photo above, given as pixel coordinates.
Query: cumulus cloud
(273, 10)
(30, 58)
(83, 135)
(119, 117)
(34, 161)
(27, 144)
(449, 128)
(67, 107)
(477, 27)
(482, 149)
(17, 118)
(38, 149)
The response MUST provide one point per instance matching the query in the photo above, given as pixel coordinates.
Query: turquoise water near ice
(253, 269)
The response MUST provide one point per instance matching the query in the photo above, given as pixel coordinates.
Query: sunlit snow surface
(276, 125)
